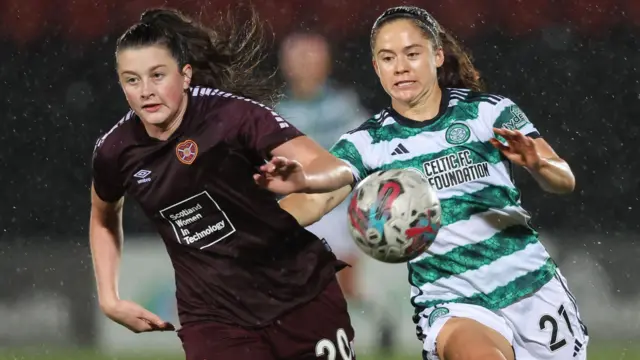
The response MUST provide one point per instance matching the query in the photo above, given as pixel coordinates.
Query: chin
(405, 98)
(154, 119)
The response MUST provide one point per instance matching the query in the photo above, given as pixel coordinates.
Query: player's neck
(426, 107)
(164, 131)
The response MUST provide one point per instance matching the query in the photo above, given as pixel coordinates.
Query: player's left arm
(296, 162)
(519, 141)
(552, 173)
(323, 172)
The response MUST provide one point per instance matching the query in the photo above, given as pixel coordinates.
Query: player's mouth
(151, 107)
(404, 84)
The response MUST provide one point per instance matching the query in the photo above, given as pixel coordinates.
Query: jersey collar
(405, 121)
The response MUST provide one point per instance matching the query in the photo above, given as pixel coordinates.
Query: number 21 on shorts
(556, 342)
(329, 349)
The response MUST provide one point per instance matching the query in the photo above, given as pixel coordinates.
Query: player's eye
(131, 80)
(413, 55)
(387, 58)
(158, 76)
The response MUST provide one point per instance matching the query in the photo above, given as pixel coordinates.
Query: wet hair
(457, 71)
(228, 58)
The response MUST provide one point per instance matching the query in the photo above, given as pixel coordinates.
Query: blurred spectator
(323, 111)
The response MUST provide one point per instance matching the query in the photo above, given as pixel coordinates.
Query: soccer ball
(394, 215)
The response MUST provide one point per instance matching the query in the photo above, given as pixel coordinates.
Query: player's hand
(282, 176)
(520, 149)
(136, 318)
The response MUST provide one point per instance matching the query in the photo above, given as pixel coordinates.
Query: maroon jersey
(238, 257)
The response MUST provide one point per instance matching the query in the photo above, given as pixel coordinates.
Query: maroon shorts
(320, 329)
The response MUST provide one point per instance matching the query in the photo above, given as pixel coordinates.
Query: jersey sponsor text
(454, 169)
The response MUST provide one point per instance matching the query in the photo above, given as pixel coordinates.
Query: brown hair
(457, 71)
(228, 57)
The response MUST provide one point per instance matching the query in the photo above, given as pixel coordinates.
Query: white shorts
(333, 227)
(543, 326)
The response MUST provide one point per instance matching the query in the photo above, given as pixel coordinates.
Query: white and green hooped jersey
(485, 254)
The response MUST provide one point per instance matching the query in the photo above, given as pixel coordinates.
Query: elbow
(556, 177)
(571, 185)
(563, 187)
(568, 185)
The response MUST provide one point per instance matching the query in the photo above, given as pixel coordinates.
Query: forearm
(327, 174)
(303, 208)
(106, 249)
(554, 175)
(309, 208)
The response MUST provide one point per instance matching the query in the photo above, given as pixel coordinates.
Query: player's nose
(147, 89)
(401, 65)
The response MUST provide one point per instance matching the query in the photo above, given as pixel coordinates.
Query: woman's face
(153, 83)
(405, 61)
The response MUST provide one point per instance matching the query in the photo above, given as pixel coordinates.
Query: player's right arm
(105, 239)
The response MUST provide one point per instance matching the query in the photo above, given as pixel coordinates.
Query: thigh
(462, 331)
(466, 339)
(214, 341)
(547, 325)
(321, 329)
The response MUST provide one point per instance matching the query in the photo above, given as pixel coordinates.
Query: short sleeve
(106, 176)
(508, 115)
(263, 129)
(349, 150)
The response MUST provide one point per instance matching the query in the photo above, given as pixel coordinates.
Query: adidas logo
(399, 150)
(577, 348)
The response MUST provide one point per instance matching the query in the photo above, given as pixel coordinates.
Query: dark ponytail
(228, 57)
(457, 71)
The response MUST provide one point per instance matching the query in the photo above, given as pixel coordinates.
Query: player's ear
(187, 73)
(439, 57)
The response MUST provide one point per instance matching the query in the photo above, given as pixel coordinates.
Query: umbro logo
(142, 175)
(399, 150)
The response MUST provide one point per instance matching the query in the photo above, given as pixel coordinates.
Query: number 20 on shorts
(328, 348)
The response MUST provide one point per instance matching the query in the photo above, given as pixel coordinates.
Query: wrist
(108, 302)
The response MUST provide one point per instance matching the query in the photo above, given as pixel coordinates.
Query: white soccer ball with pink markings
(394, 215)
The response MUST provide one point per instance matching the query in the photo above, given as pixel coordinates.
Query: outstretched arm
(301, 165)
(552, 173)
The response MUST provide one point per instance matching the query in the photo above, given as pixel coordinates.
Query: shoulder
(362, 136)
(489, 100)
(206, 100)
(373, 123)
(468, 96)
(487, 104)
(110, 144)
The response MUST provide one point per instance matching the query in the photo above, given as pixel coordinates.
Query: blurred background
(572, 66)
